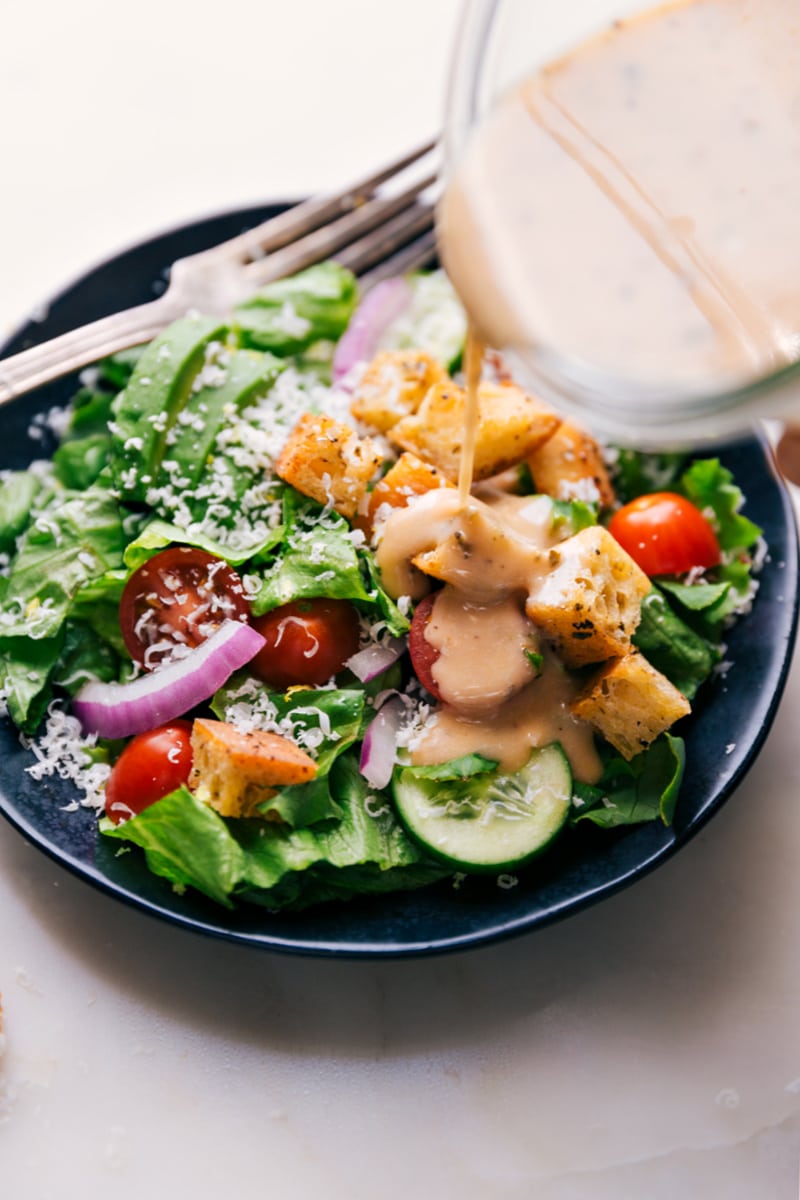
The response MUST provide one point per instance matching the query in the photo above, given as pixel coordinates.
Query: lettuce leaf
(91, 411)
(397, 622)
(187, 843)
(157, 534)
(85, 657)
(317, 557)
(289, 315)
(571, 516)
(465, 767)
(434, 321)
(73, 540)
(17, 495)
(78, 462)
(26, 668)
(629, 793)
(672, 646)
(361, 850)
(636, 472)
(704, 605)
(96, 604)
(710, 486)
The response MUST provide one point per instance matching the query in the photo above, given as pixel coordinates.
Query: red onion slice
(379, 748)
(373, 660)
(115, 710)
(387, 300)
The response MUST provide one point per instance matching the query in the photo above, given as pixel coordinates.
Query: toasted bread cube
(569, 466)
(408, 477)
(630, 703)
(327, 460)
(235, 772)
(394, 385)
(482, 537)
(511, 425)
(588, 604)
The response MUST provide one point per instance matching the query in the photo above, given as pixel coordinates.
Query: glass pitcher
(747, 147)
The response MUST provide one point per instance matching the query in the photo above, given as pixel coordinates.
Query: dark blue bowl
(723, 736)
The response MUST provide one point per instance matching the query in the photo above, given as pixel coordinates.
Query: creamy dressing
(411, 531)
(536, 716)
(634, 205)
(492, 555)
(473, 366)
(473, 547)
(484, 651)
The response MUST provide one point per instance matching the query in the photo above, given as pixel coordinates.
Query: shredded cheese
(64, 751)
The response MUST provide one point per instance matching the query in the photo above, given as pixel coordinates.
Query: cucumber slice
(488, 822)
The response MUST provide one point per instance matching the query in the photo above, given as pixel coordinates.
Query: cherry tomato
(423, 654)
(307, 642)
(152, 765)
(178, 598)
(665, 534)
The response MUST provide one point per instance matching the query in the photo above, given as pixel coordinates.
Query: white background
(645, 1050)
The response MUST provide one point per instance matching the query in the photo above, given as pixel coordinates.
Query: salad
(243, 610)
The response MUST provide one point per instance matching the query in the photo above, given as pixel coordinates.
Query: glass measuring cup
(629, 397)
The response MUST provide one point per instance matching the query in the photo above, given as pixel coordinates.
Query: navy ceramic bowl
(723, 736)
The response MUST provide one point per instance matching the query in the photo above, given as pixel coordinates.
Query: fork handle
(40, 364)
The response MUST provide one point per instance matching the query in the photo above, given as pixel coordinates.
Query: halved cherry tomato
(179, 597)
(151, 766)
(308, 641)
(423, 654)
(665, 534)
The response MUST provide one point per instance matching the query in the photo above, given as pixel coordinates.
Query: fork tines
(362, 227)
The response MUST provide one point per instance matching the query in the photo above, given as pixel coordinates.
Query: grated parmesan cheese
(62, 750)
(290, 322)
(579, 489)
(54, 422)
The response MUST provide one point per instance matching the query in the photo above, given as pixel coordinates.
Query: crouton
(588, 603)
(511, 425)
(482, 537)
(408, 477)
(630, 703)
(235, 772)
(569, 465)
(327, 460)
(394, 385)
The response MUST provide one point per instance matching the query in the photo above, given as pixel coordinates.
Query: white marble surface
(645, 1050)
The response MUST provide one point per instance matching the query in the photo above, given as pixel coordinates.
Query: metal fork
(374, 231)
